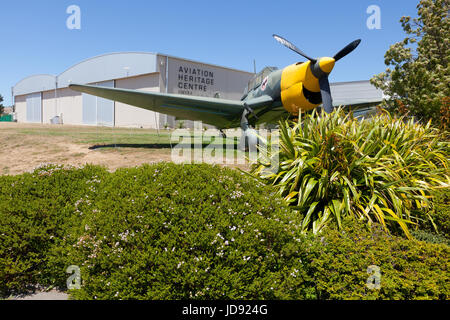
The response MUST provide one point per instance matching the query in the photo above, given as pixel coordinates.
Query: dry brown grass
(24, 147)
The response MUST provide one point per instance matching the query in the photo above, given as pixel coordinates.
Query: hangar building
(41, 98)
(47, 99)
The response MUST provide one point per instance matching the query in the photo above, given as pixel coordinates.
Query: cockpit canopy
(256, 81)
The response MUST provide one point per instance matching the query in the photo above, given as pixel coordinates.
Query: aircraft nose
(326, 64)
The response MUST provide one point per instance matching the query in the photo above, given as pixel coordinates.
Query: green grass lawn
(104, 135)
(101, 135)
(116, 137)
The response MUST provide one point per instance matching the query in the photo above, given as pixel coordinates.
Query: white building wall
(34, 107)
(21, 108)
(98, 111)
(129, 116)
(354, 92)
(70, 106)
(48, 106)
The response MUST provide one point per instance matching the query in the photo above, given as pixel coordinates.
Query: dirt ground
(23, 147)
(21, 152)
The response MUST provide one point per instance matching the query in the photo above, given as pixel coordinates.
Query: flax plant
(381, 169)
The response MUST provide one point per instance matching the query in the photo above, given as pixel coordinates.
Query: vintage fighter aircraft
(298, 87)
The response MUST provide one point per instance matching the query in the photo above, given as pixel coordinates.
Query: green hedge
(335, 266)
(36, 212)
(441, 212)
(436, 229)
(173, 232)
(169, 231)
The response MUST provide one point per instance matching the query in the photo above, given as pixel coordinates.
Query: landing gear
(224, 135)
(249, 138)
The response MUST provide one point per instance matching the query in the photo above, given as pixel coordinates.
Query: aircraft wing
(221, 113)
(357, 102)
(360, 107)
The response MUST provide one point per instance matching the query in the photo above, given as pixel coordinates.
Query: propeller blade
(289, 45)
(326, 94)
(349, 48)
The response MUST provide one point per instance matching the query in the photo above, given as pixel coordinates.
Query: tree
(418, 76)
(2, 108)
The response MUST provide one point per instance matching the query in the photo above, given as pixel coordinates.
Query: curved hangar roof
(36, 83)
(96, 69)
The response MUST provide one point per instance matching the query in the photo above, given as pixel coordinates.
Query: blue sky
(34, 38)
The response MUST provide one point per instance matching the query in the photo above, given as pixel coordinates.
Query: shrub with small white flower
(167, 231)
(37, 210)
(185, 235)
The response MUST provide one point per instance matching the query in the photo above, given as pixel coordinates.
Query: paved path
(51, 295)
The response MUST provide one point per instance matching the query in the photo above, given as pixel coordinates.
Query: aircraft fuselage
(294, 89)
